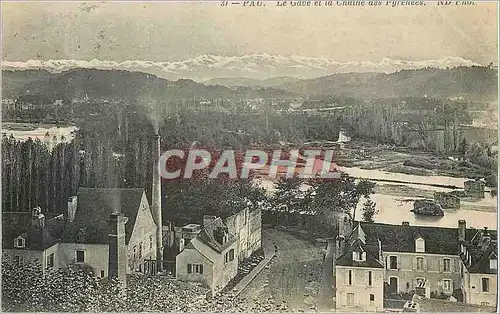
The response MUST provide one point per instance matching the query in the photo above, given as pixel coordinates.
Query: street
(291, 281)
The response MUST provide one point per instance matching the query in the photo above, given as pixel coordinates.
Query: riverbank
(389, 158)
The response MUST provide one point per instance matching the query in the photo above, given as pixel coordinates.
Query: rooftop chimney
(72, 204)
(117, 259)
(485, 239)
(406, 223)
(462, 225)
(156, 200)
(37, 218)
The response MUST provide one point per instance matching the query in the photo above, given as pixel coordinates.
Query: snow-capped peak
(256, 66)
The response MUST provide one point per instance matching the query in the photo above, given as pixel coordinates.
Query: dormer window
(19, 242)
(81, 237)
(493, 261)
(359, 256)
(420, 245)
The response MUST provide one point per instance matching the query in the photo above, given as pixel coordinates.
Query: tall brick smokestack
(156, 200)
(117, 262)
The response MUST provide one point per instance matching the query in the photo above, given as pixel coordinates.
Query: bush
(420, 163)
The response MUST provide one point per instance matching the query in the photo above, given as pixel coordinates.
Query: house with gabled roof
(32, 237)
(85, 239)
(210, 257)
(478, 252)
(360, 275)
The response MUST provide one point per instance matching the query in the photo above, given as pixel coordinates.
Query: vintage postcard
(249, 156)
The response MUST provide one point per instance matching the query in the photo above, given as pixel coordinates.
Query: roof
(93, 208)
(207, 236)
(36, 238)
(358, 242)
(480, 256)
(398, 238)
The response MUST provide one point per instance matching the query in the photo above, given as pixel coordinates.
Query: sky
(154, 31)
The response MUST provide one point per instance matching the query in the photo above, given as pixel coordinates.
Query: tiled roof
(93, 208)
(207, 236)
(357, 245)
(36, 237)
(398, 238)
(480, 256)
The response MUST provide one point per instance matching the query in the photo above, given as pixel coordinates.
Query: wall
(30, 256)
(192, 256)
(223, 273)
(360, 289)
(216, 275)
(246, 226)
(407, 272)
(475, 294)
(96, 256)
(144, 228)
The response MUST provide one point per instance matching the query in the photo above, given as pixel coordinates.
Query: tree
(288, 197)
(369, 211)
(339, 195)
(462, 147)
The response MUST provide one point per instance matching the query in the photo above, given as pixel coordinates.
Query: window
(80, 256)
(420, 245)
(420, 263)
(231, 254)
(493, 263)
(150, 242)
(50, 260)
(446, 284)
(18, 260)
(140, 250)
(446, 264)
(372, 297)
(393, 262)
(135, 252)
(485, 285)
(19, 242)
(349, 275)
(359, 256)
(350, 299)
(369, 277)
(102, 273)
(195, 268)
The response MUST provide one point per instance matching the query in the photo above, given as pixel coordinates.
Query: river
(396, 209)
(45, 133)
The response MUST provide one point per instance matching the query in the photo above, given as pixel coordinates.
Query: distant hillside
(255, 66)
(118, 84)
(469, 82)
(249, 82)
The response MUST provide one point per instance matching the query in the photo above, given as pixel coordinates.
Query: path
(292, 279)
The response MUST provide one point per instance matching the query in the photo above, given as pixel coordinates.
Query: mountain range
(467, 82)
(256, 67)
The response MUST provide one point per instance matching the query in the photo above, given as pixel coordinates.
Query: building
(247, 227)
(210, 257)
(432, 262)
(479, 267)
(85, 238)
(31, 237)
(360, 275)
(474, 188)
